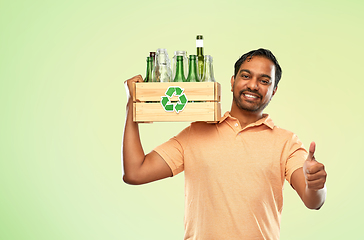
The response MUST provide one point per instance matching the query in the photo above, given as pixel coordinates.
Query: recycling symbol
(170, 106)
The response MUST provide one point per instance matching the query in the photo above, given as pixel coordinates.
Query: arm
(138, 167)
(309, 181)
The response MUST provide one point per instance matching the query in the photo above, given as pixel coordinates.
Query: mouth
(250, 95)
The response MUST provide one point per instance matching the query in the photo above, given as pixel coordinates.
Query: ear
(274, 90)
(232, 82)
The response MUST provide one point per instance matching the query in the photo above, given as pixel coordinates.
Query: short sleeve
(172, 151)
(296, 157)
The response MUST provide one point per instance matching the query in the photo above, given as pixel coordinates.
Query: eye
(264, 81)
(244, 76)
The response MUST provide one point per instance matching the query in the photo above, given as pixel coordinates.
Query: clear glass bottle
(200, 56)
(162, 68)
(192, 73)
(174, 63)
(180, 76)
(208, 71)
(148, 75)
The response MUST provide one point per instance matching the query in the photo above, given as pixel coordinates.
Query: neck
(245, 117)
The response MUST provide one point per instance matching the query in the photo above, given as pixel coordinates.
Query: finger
(129, 84)
(316, 184)
(137, 78)
(311, 151)
(314, 168)
(318, 175)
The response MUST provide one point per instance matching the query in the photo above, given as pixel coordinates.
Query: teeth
(250, 96)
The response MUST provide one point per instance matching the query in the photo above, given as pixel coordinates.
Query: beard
(249, 106)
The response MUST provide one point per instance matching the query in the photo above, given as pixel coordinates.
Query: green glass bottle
(152, 55)
(180, 76)
(148, 75)
(174, 63)
(200, 56)
(192, 74)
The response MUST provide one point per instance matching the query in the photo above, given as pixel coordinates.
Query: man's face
(253, 86)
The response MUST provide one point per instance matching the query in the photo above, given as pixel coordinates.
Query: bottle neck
(148, 75)
(200, 51)
(200, 56)
(180, 76)
(208, 74)
(199, 46)
(192, 74)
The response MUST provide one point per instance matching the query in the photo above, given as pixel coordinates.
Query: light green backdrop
(62, 68)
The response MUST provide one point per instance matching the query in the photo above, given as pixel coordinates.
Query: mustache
(250, 91)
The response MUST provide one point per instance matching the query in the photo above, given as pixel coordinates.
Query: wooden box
(177, 102)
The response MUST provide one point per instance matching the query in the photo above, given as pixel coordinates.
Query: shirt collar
(266, 120)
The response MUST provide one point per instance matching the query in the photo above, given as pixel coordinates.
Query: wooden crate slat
(196, 111)
(217, 111)
(206, 91)
(217, 92)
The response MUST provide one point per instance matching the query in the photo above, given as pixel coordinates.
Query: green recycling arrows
(168, 105)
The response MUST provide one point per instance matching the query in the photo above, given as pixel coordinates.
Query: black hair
(263, 53)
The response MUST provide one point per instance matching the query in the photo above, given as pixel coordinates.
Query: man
(234, 169)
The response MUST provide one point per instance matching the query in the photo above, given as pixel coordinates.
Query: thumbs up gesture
(314, 171)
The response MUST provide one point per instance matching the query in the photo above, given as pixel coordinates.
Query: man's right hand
(129, 85)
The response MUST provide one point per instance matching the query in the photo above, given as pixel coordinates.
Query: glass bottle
(174, 63)
(200, 57)
(180, 76)
(192, 73)
(162, 68)
(148, 75)
(152, 55)
(208, 72)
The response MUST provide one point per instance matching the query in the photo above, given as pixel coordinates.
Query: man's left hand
(314, 171)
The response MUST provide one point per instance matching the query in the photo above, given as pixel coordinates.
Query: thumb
(311, 152)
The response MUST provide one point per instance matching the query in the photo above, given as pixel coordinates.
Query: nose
(253, 84)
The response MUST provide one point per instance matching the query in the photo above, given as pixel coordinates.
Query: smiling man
(256, 84)
(234, 169)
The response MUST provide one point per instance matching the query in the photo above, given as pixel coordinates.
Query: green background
(62, 68)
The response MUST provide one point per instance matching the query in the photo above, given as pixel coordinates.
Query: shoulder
(202, 126)
(283, 132)
(195, 128)
(291, 142)
(286, 137)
